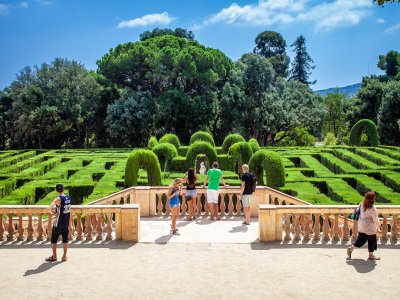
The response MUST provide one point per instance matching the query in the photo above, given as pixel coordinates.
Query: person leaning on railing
(368, 224)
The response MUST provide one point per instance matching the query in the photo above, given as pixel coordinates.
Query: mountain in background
(349, 91)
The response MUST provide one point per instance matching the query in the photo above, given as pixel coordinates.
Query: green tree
(299, 136)
(178, 32)
(272, 46)
(382, 2)
(302, 63)
(335, 116)
(390, 63)
(389, 113)
(5, 108)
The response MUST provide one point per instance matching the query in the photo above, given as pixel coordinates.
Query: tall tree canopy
(302, 63)
(272, 46)
(178, 32)
(390, 63)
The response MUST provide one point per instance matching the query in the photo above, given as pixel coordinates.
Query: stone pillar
(270, 227)
(130, 223)
(142, 198)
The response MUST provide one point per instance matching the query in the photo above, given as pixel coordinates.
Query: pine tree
(302, 63)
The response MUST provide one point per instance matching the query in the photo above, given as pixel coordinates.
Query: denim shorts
(190, 194)
(246, 200)
(173, 204)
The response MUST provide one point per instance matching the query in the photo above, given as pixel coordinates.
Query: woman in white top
(368, 224)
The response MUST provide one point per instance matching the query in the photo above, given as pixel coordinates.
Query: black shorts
(64, 232)
(363, 238)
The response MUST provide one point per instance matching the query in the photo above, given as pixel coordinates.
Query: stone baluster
(206, 210)
(287, 227)
(346, 229)
(40, 229)
(296, 227)
(1, 228)
(394, 230)
(10, 228)
(336, 229)
(307, 228)
(49, 226)
(93, 220)
(354, 230)
(30, 229)
(159, 204)
(99, 236)
(326, 227)
(302, 222)
(384, 229)
(20, 228)
(230, 205)
(238, 205)
(109, 227)
(222, 206)
(89, 230)
(167, 209)
(71, 227)
(198, 205)
(317, 227)
(79, 227)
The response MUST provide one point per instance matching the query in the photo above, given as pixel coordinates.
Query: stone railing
(307, 222)
(153, 202)
(101, 222)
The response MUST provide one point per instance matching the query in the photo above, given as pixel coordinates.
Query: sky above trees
(344, 38)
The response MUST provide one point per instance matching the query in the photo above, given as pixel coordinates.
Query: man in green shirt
(214, 176)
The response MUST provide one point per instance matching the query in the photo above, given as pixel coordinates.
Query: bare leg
(54, 248)
(174, 218)
(216, 211)
(194, 201)
(65, 248)
(190, 204)
(210, 208)
(247, 214)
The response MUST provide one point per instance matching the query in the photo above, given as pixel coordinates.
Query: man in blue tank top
(61, 210)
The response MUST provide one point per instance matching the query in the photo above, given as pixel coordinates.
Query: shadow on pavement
(42, 268)
(362, 265)
(310, 244)
(163, 240)
(73, 244)
(241, 228)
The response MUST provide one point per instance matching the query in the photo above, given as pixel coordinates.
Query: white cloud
(324, 16)
(393, 28)
(146, 20)
(380, 21)
(4, 10)
(24, 4)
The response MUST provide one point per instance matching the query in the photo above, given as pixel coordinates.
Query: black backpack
(254, 182)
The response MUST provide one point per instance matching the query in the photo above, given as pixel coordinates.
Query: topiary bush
(230, 140)
(200, 148)
(170, 138)
(255, 146)
(165, 153)
(152, 142)
(270, 163)
(370, 130)
(240, 153)
(142, 159)
(202, 136)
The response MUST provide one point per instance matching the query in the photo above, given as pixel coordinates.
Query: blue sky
(344, 37)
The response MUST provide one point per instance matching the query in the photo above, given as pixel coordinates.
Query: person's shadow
(361, 265)
(42, 268)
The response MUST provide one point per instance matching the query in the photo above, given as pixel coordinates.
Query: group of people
(213, 179)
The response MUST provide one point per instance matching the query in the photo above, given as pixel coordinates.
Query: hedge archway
(230, 140)
(165, 153)
(240, 153)
(270, 163)
(202, 136)
(370, 130)
(255, 146)
(142, 159)
(170, 138)
(152, 142)
(200, 148)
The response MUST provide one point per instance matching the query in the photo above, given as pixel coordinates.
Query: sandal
(64, 259)
(349, 251)
(244, 223)
(175, 232)
(188, 219)
(51, 259)
(374, 258)
(218, 218)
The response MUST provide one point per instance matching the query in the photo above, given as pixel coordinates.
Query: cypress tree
(302, 63)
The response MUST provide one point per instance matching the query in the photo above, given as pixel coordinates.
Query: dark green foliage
(178, 32)
(390, 63)
(202, 136)
(142, 159)
(170, 138)
(366, 126)
(165, 153)
(302, 63)
(224, 163)
(240, 153)
(389, 114)
(200, 148)
(254, 145)
(270, 163)
(230, 140)
(152, 142)
(179, 164)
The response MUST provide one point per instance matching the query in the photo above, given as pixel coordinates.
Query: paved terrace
(214, 260)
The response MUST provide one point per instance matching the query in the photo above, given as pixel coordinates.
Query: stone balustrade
(95, 222)
(293, 223)
(153, 202)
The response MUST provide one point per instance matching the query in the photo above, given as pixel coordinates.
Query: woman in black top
(191, 193)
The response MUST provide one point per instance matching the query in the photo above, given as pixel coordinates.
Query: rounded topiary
(370, 130)
(230, 140)
(272, 164)
(200, 148)
(165, 153)
(255, 146)
(142, 159)
(202, 136)
(170, 138)
(152, 142)
(240, 153)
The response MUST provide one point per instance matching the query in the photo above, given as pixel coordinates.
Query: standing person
(246, 192)
(191, 193)
(368, 224)
(174, 204)
(214, 176)
(62, 205)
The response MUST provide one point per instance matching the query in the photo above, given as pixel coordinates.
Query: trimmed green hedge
(270, 163)
(240, 153)
(152, 142)
(230, 140)
(224, 162)
(178, 164)
(165, 153)
(202, 136)
(170, 138)
(370, 130)
(145, 159)
(255, 146)
(200, 148)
